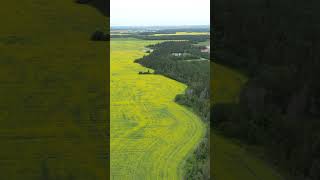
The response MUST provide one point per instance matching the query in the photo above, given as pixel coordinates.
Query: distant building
(206, 49)
(178, 54)
(148, 50)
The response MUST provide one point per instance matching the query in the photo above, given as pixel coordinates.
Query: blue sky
(159, 12)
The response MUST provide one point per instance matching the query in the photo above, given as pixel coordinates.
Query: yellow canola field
(151, 135)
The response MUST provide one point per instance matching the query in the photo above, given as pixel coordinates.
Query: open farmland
(231, 159)
(226, 84)
(53, 91)
(151, 135)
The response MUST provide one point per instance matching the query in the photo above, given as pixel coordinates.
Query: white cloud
(160, 12)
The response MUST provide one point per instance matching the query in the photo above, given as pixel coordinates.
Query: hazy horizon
(160, 13)
(160, 25)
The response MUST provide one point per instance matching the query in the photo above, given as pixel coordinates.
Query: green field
(205, 43)
(230, 159)
(53, 109)
(151, 135)
(226, 84)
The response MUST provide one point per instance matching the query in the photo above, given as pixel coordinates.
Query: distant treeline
(173, 31)
(196, 75)
(192, 38)
(277, 44)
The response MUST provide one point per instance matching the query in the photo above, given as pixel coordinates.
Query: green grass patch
(232, 161)
(226, 84)
(205, 43)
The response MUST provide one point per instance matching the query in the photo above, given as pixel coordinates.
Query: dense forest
(193, 73)
(184, 62)
(275, 43)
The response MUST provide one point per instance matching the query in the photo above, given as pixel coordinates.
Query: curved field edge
(231, 159)
(151, 135)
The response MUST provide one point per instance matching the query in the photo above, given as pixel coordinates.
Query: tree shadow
(102, 5)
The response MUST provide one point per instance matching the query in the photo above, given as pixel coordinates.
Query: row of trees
(276, 43)
(147, 36)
